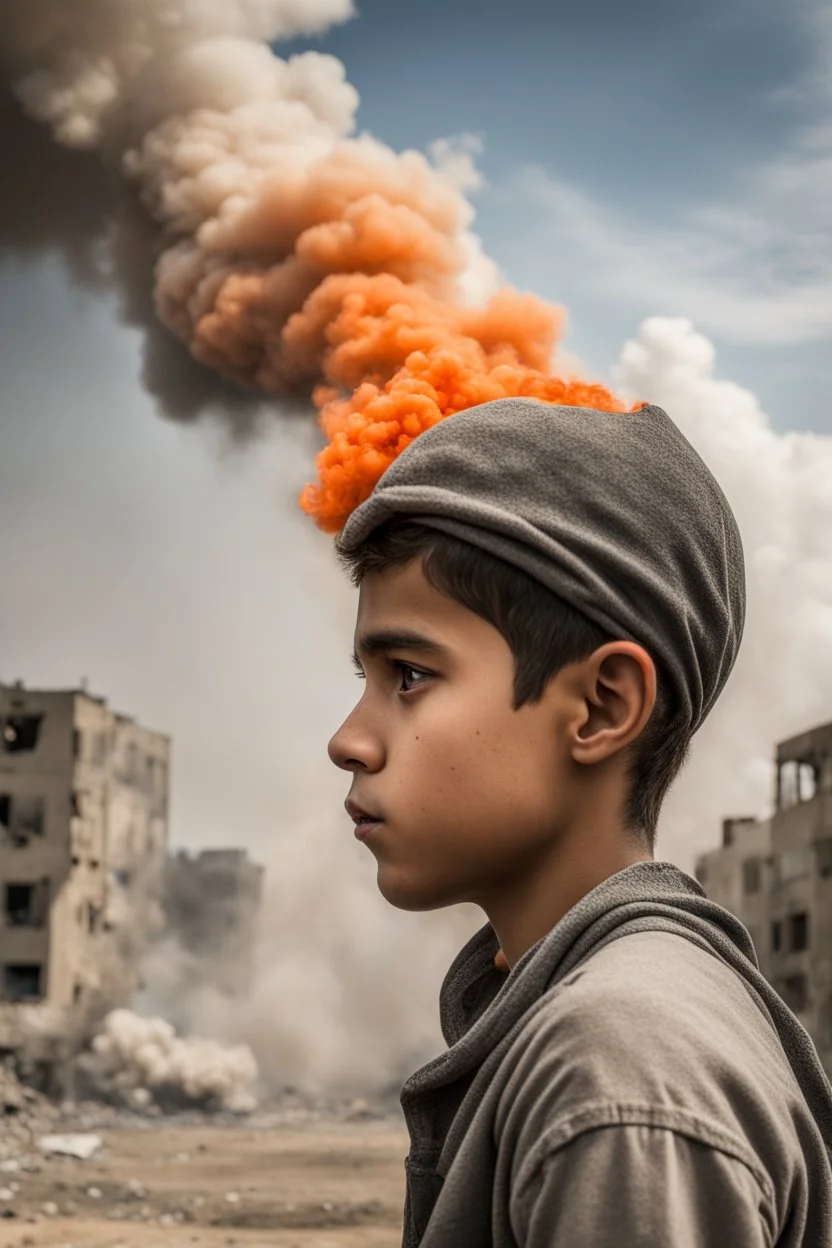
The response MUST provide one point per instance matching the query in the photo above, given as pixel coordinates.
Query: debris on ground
(81, 1145)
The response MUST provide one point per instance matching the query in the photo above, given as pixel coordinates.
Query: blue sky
(653, 158)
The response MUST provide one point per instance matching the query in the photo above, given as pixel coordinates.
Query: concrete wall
(102, 782)
(802, 892)
(37, 777)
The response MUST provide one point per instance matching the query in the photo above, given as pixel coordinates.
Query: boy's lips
(365, 821)
(359, 814)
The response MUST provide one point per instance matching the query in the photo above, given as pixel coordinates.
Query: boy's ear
(619, 693)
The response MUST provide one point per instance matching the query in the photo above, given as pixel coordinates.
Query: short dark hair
(545, 634)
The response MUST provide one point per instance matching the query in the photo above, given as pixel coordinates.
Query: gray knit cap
(614, 512)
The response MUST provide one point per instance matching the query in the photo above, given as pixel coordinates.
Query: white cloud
(455, 156)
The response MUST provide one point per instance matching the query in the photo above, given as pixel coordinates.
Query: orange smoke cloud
(412, 360)
(345, 274)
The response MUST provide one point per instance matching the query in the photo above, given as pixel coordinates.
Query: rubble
(25, 1116)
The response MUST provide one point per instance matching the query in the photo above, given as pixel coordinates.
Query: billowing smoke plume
(294, 255)
(134, 1059)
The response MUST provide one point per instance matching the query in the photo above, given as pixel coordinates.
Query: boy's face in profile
(469, 791)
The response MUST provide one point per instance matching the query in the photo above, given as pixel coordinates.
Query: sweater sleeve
(640, 1186)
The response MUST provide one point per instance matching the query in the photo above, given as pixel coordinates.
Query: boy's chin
(407, 892)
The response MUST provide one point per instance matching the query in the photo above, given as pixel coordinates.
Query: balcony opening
(797, 782)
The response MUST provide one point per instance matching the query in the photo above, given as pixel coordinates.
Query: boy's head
(583, 572)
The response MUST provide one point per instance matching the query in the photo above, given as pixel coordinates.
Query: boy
(551, 600)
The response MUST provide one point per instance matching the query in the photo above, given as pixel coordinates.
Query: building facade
(83, 841)
(776, 876)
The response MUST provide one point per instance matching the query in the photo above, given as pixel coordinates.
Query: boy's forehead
(398, 608)
(402, 599)
(398, 590)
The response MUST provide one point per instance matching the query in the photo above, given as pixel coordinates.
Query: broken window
(751, 875)
(23, 981)
(795, 992)
(21, 732)
(21, 817)
(799, 932)
(23, 905)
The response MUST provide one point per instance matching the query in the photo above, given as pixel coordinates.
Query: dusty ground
(314, 1185)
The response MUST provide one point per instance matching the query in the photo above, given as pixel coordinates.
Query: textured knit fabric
(634, 1081)
(615, 512)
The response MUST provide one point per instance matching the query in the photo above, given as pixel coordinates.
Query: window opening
(21, 732)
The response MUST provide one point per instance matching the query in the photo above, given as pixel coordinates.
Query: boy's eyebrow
(387, 639)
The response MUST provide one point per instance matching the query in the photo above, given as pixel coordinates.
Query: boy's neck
(529, 906)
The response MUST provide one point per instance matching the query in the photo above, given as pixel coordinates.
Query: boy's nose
(352, 748)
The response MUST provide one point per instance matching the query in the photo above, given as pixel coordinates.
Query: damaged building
(212, 905)
(776, 876)
(83, 843)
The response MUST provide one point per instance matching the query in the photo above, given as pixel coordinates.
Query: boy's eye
(405, 668)
(407, 673)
